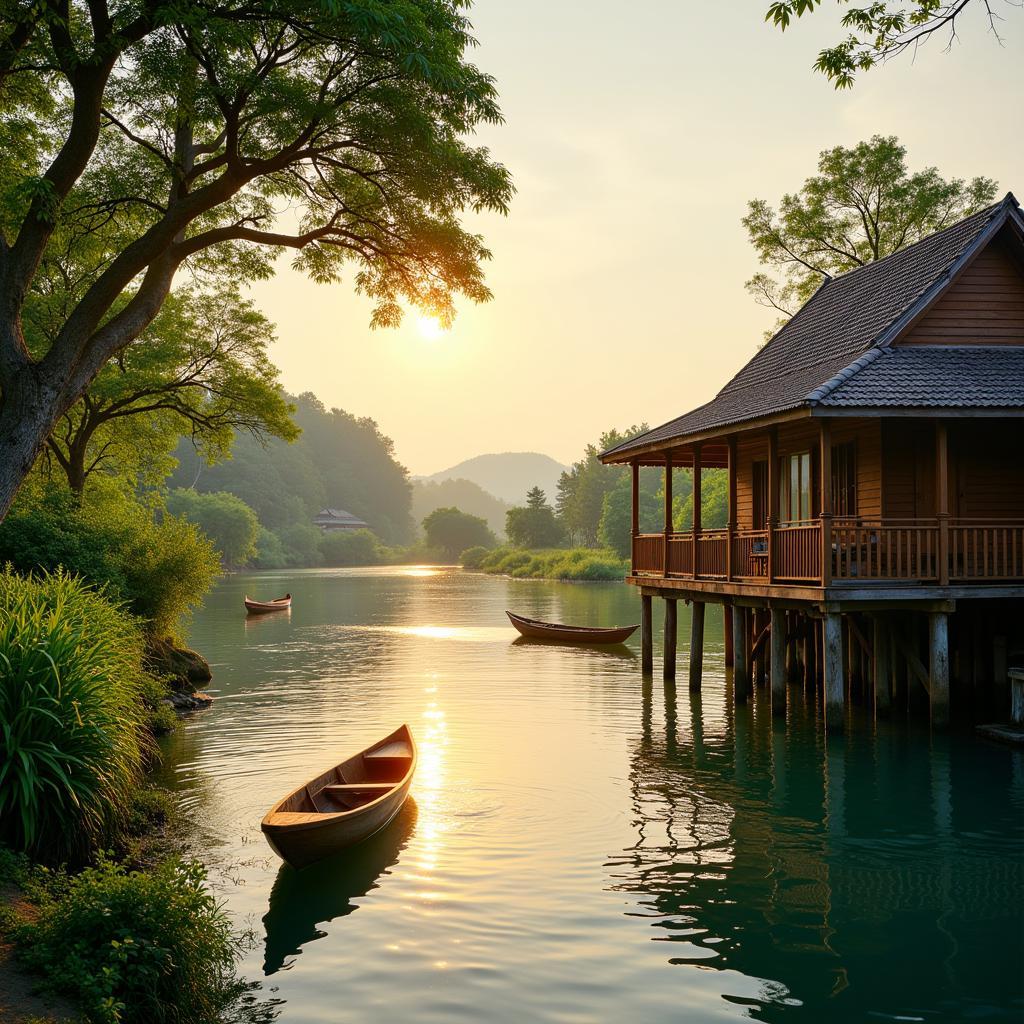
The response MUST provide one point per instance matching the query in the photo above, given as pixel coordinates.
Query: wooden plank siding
(983, 306)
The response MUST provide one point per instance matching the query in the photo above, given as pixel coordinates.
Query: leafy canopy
(862, 205)
(880, 30)
(453, 531)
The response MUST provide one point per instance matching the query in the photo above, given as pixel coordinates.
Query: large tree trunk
(28, 412)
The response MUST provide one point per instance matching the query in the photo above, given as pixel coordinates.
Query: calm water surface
(581, 845)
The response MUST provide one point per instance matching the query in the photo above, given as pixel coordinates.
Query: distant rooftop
(338, 519)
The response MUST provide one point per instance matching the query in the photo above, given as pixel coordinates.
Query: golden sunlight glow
(430, 327)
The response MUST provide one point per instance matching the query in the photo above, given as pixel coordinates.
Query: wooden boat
(346, 804)
(279, 604)
(538, 630)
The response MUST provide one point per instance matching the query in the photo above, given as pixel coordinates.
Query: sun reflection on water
(430, 782)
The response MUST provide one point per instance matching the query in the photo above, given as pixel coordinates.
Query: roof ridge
(848, 371)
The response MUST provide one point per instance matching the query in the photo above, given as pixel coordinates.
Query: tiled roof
(337, 515)
(943, 376)
(843, 320)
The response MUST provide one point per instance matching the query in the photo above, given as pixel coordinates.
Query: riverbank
(564, 564)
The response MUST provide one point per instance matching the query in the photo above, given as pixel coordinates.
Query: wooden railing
(875, 550)
(885, 549)
(986, 549)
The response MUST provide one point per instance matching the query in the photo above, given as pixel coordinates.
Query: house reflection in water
(761, 850)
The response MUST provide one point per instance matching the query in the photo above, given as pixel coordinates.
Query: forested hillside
(465, 495)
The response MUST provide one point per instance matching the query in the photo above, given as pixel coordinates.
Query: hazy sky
(635, 135)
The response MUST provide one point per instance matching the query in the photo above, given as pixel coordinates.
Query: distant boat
(346, 804)
(538, 630)
(279, 604)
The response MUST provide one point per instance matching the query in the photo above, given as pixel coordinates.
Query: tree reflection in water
(857, 878)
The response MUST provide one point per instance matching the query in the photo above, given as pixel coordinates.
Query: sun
(430, 327)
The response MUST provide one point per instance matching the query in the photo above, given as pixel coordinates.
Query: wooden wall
(984, 306)
(908, 468)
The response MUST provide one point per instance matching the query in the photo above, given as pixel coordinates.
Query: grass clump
(557, 564)
(135, 947)
(72, 715)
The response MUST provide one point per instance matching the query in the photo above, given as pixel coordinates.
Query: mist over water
(580, 844)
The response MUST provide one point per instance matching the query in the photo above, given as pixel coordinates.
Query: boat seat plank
(356, 787)
(392, 750)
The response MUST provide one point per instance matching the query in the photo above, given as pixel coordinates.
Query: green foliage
(615, 528)
(535, 524)
(136, 947)
(878, 31)
(428, 495)
(270, 552)
(351, 547)
(861, 206)
(453, 531)
(229, 523)
(581, 490)
(473, 558)
(301, 543)
(580, 564)
(714, 503)
(159, 567)
(71, 715)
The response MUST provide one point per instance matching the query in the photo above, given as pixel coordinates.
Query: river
(581, 845)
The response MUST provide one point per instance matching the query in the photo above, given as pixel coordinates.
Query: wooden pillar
(646, 636)
(730, 528)
(696, 645)
(727, 630)
(695, 536)
(807, 650)
(773, 498)
(741, 655)
(669, 648)
(758, 618)
(825, 500)
(835, 684)
(938, 667)
(942, 499)
(1000, 674)
(668, 508)
(882, 669)
(634, 515)
(778, 660)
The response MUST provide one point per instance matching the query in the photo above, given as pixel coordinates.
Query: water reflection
(765, 852)
(618, 652)
(300, 901)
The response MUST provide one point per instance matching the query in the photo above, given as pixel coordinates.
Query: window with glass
(795, 487)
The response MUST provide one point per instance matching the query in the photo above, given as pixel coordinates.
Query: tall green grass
(555, 564)
(71, 715)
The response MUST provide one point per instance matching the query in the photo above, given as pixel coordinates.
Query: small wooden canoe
(537, 630)
(346, 804)
(279, 604)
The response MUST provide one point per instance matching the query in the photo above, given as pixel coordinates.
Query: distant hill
(462, 494)
(507, 475)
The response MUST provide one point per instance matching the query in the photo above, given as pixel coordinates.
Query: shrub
(564, 564)
(351, 547)
(301, 544)
(134, 947)
(473, 558)
(71, 714)
(229, 523)
(158, 566)
(453, 531)
(270, 553)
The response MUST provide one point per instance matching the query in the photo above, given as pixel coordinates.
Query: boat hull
(263, 607)
(537, 630)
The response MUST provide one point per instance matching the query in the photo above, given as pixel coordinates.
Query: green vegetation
(132, 947)
(452, 531)
(878, 31)
(352, 547)
(71, 708)
(535, 524)
(465, 495)
(560, 564)
(355, 156)
(158, 566)
(229, 523)
(861, 206)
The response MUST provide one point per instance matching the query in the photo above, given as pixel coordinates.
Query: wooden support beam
(634, 514)
(741, 664)
(727, 629)
(942, 498)
(938, 665)
(773, 498)
(777, 629)
(669, 648)
(668, 508)
(730, 528)
(762, 638)
(825, 499)
(695, 535)
(696, 645)
(915, 666)
(882, 673)
(835, 683)
(646, 636)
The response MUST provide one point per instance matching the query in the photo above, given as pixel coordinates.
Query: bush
(229, 523)
(351, 547)
(159, 567)
(453, 531)
(270, 553)
(301, 545)
(71, 704)
(473, 558)
(563, 564)
(133, 947)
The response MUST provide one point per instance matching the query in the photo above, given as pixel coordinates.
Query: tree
(615, 529)
(137, 138)
(464, 494)
(201, 368)
(861, 206)
(454, 531)
(714, 503)
(535, 524)
(880, 30)
(229, 523)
